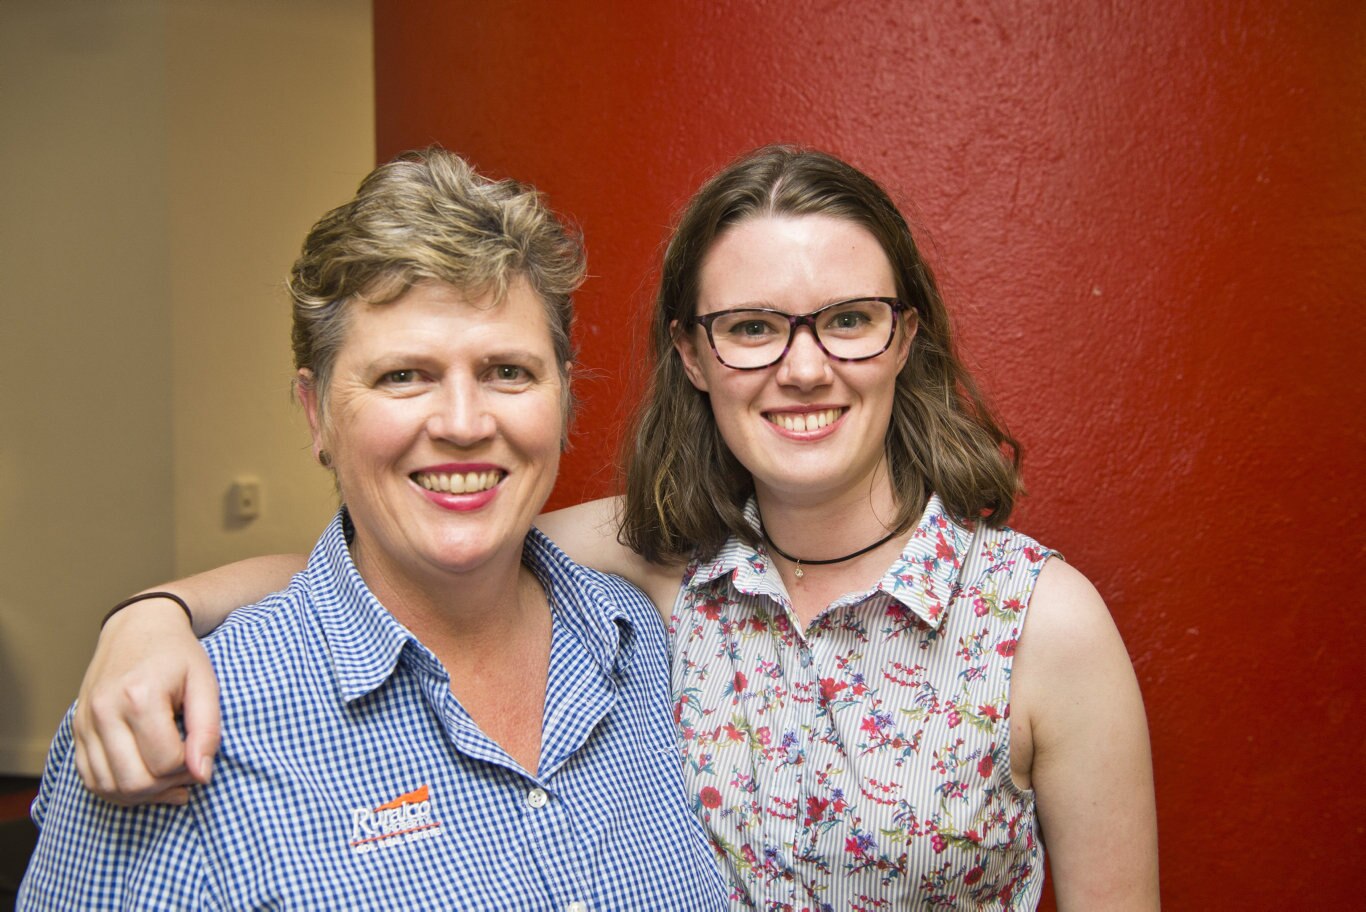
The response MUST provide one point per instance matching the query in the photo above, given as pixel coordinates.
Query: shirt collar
(924, 578)
(582, 603)
(366, 641)
(750, 568)
(363, 638)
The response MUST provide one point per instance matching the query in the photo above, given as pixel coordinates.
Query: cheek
(535, 437)
(734, 407)
(726, 412)
(736, 390)
(369, 434)
(883, 396)
(537, 427)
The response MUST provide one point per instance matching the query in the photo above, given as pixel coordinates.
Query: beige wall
(275, 127)
(159, 164)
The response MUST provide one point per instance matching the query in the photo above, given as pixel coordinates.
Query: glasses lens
(851, 330)
(855, 329)
(749, 338)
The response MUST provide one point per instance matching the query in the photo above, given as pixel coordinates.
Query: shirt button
(576, 907)
(538, 799)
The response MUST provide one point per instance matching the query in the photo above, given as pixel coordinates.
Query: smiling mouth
(805, 421)
(457, 483)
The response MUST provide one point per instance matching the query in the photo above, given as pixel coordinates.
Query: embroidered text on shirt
(407, 818)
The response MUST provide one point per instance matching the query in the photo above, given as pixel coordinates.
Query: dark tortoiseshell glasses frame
(796, 320)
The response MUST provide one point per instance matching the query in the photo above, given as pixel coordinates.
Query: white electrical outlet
(245, 498)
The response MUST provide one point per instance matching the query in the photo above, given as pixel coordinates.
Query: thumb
(203, 722)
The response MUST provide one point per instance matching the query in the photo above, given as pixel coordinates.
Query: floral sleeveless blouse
(864, 763)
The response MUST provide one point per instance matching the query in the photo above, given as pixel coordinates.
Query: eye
(401, 377)
(749, 326)
(510, 374)
(853, 319)
(848, 320)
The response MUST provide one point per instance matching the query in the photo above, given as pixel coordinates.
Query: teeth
(811, 421)
(460, 483)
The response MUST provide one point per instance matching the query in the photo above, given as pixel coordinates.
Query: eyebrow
(770, 306)
(402, 356)
(515, 355)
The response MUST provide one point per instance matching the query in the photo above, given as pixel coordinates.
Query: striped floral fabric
(864, 763)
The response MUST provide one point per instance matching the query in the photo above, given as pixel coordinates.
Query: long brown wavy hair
(686, 491)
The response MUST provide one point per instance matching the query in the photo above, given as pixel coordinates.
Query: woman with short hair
(441, 710)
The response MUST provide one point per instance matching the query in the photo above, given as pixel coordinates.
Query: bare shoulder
(1081, 716)
(1067, 620)
(587, 532)
(1070, 660)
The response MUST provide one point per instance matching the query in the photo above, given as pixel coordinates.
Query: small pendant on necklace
(799, 572)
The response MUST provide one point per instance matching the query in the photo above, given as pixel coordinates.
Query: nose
(460, 414)
(805, 365)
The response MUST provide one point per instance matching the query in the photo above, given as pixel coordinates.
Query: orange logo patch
(399, 821)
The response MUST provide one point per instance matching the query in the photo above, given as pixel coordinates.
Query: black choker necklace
(820, 563)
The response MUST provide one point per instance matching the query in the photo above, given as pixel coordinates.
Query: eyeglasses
(752, 338)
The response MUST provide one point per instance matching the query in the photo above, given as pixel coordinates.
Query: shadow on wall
(17, 833)
(14, 709)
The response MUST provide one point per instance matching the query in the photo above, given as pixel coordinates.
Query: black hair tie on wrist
(142, 597)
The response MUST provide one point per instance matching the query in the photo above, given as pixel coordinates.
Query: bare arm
(588, 534)
(148, 666)
(215, 594)
(1090, 767)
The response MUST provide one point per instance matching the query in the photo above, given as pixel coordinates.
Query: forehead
(436, 316)
(792, 262)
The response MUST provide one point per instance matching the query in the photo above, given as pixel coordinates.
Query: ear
(685, 343)
(566, 403)
(307, 392)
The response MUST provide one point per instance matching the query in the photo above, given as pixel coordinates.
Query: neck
(824, 561)
(484, 605)
(832, 528)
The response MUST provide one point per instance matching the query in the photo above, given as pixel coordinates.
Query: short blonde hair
(428, 215)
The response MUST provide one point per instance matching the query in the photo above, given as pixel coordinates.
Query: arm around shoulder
(214, 594)
(1091, 766)
(148, 667)
(587, 532)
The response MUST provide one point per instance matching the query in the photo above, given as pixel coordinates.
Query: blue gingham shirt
(351, 778)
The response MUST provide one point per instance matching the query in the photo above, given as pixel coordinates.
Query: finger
(133, 784)
(180, 795)
(145, 740)
(203, 719)
(91, 765)
(134, 772)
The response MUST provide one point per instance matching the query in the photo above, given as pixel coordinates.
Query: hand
(148, 666)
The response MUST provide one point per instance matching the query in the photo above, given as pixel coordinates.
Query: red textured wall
(1149, 220)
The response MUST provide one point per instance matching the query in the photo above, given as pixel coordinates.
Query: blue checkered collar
(924, 578)
(366, 641)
